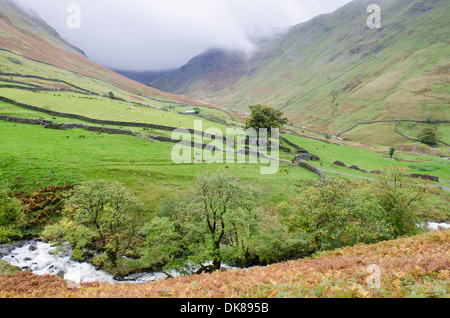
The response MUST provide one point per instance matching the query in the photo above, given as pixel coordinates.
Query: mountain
(334, 71)
(26, 37)
(144, 77)
(214, 70)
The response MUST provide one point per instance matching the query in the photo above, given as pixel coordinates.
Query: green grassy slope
(29, 46)
(370, 160)
(39, 68)
(33, 157)
(103, 108)
(334, 71)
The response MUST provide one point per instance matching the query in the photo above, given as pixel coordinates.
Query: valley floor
(408, 267)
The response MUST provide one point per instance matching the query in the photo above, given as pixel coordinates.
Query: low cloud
(164, 34)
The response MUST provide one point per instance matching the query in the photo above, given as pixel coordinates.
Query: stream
(42, 258)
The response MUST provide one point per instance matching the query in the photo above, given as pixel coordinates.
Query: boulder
(306, 157)
(425, 177)
(339, 163)
(61, 274)
(15, 61)
(312, 169)
(5, 250)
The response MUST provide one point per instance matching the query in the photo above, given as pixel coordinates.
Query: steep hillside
(215, 70)
(409, 267)
(40, 69)
(334, 71)
(26, 38)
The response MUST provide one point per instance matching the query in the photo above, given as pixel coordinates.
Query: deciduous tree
(101, 215)
(265, 117)
(218, 221)
(429, 136)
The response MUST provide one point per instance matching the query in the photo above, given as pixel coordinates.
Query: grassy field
(104, 108)
(16, 84)
(35, 68)
(413, 130)
(33, 157)
(368, 159)
(381, 135)
(377, 135)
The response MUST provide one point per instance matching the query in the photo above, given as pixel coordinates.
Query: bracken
(423, 271)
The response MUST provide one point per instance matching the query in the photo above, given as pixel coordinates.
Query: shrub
(342, 213)
(429, 136)
(101, 216)
(335, 214)
(12, 216)
(400, 201)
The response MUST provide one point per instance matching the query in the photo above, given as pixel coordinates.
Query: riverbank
(408, 267)
(42, 258)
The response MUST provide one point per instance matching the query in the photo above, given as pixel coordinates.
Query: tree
(163, 243)
(391, 152)
(265, 117)
(429, 136)
(400, 200)
(341, 213)
(218, 202)
(332, 215)
(102, 216)
(111, 95)
(218, 221)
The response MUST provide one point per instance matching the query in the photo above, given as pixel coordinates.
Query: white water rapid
(42, 258)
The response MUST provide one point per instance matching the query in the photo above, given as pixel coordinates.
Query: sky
(154, 35)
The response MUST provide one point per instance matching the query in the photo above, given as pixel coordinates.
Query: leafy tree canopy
(429, 136)
(265, 117)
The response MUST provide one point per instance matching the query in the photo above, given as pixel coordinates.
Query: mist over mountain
(156, 35)
(217, 63)
(334, 69)
(25, 36)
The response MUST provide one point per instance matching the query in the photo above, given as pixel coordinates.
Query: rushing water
(436, 226)
(43, 258)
